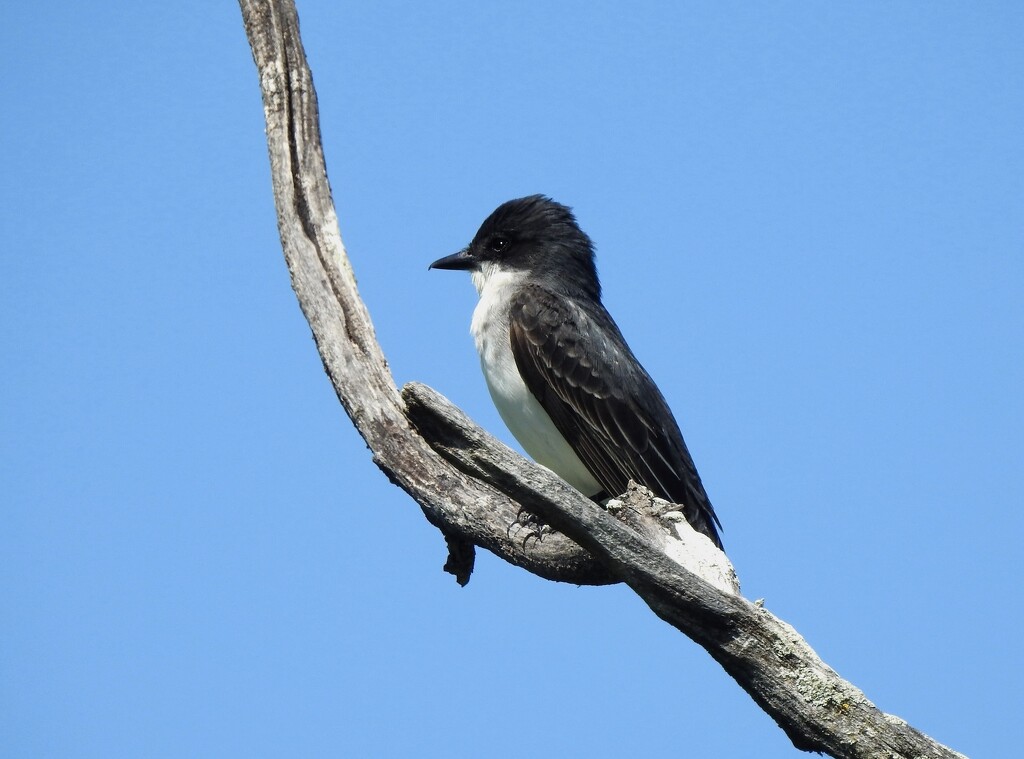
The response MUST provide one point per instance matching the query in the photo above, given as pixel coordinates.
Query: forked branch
(473, 488)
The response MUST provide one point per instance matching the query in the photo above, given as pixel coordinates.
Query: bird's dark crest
(536, 216)
(541, 229)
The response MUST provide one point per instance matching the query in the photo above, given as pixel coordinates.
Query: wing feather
(603, 402)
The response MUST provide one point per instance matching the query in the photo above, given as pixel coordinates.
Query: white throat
(519, 409)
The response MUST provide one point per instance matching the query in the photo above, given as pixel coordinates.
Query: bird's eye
(497, 244)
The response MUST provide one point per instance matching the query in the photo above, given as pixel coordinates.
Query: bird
(558, 369)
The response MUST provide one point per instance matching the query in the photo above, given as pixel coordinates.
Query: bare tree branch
(476, 491)
(468, 511)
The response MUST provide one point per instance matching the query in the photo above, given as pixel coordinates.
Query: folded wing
(604, 403)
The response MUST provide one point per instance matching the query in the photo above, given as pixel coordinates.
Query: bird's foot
(529, 526)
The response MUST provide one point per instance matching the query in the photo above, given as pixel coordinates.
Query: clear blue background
(810, 226)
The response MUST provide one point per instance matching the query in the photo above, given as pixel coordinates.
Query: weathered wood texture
(477, 491)
(468, 511)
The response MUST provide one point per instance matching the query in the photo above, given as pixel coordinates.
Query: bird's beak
(461, 261)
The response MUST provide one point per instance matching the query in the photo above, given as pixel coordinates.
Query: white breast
(519, 409)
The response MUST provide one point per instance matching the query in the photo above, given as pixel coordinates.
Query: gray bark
(478, 492)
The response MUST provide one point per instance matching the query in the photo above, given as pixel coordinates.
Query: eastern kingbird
(558, 369)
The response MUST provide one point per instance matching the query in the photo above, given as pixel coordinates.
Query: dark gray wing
(603, 402)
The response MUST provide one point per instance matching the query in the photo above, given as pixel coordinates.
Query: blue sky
(810, 226)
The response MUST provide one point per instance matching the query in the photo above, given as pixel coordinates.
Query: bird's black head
(534, 235)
